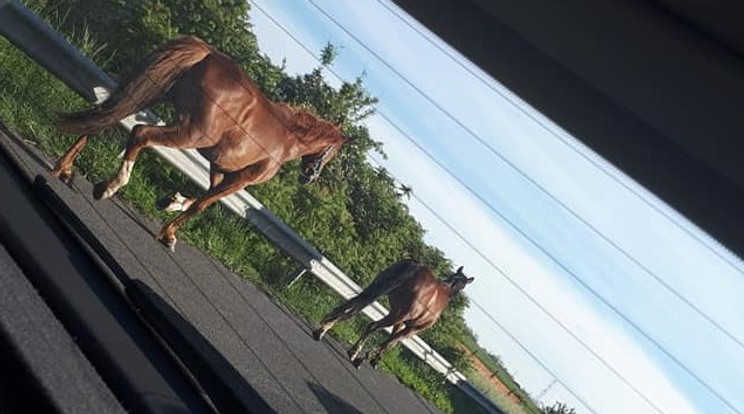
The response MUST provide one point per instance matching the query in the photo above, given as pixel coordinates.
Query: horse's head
(457, 281)
(312, 164)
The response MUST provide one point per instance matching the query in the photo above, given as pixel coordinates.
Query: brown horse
(245, 137)
(417, 299)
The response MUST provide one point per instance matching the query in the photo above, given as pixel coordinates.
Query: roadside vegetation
(354, 214)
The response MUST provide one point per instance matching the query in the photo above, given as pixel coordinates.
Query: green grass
(30, 98)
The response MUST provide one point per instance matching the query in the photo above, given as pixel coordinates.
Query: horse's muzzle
(311, 172)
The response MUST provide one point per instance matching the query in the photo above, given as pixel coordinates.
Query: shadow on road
(332, 403)
(226, 387)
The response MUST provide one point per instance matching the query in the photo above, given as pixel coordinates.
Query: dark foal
(417, 299)
(245, 137)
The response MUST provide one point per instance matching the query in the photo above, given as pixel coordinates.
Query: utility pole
(542, 393)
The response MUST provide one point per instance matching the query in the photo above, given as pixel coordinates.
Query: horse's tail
(161, 69)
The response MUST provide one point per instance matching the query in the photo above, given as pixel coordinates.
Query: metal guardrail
(49, 49)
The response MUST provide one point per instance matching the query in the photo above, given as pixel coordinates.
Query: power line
(533, 356)
(561, 265)
(519, 343)
(524, 175)
(572, 274)
(541, 120)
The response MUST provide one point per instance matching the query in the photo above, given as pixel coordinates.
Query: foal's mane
(305, 124)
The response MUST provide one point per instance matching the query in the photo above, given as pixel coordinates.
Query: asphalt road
(254, 345)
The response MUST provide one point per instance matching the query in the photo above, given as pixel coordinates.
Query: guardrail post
(297, 276)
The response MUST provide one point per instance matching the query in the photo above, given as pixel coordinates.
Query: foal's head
(326, 140)
(457, 281)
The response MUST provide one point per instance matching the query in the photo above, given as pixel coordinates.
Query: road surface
(254, 345)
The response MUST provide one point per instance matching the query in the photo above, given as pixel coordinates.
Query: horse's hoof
(99, 190)
(318, 334)
(67, 177)
(163, 203)
(64, 175)
(357, 362)
(169, 242)
(172, 203)
(352, 354)
(374, 363)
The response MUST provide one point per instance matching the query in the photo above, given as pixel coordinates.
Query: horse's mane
(306, 124)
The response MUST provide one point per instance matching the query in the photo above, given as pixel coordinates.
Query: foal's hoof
(100, 190)
(318, 334)
(357, 362)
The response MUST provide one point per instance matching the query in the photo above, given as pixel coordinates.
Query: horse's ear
(469, 280)
(459, 270)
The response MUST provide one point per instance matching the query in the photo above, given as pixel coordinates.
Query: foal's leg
(63, 168)
(342, 312)
(395, 337)
(389, 320)
(231, 183)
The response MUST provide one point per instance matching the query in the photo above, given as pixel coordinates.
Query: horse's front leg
(63, 167)
(179, 202)
(390, 319)
(231, 183)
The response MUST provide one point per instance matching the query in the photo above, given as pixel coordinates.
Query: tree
(405, 191)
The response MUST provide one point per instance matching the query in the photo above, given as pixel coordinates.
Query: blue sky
(613, 269)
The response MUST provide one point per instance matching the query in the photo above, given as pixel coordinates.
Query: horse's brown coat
(245, 137)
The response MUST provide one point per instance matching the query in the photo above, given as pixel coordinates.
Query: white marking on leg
(179, 203)
(122, 179)
(324, 329)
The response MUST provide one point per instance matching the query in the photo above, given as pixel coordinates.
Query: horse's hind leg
(143, 136)
(348, 309)
(342, 312)
(63, 167)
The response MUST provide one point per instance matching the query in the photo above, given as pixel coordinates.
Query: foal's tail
(389, 279)
(160, 72)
